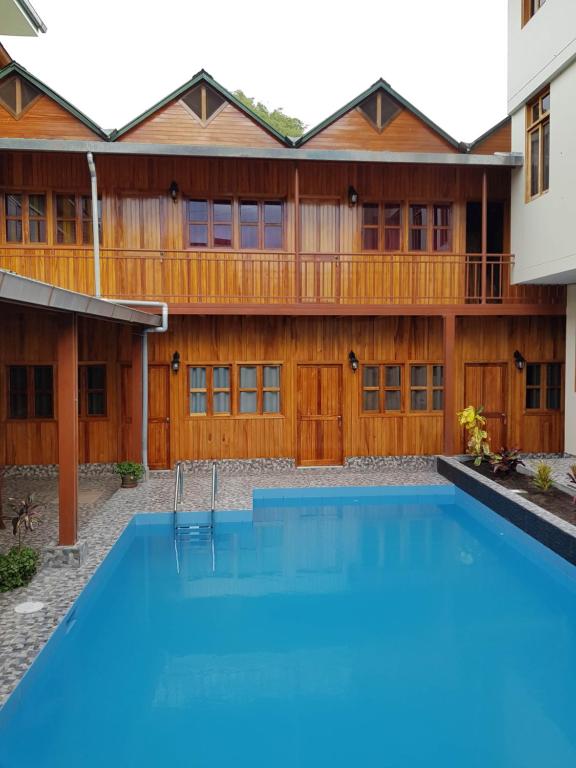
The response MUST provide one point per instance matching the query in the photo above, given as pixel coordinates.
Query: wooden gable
(498, 139)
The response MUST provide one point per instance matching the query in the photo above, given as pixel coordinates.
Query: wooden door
(485, 384)
(159, 416)
(319, 415)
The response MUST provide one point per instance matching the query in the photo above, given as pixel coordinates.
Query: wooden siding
(498, 141)
(175, 124)
(45, 119)
(404, 133)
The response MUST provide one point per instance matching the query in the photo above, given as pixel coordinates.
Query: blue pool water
(387, 627)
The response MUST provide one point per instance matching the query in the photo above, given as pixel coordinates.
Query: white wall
(539, 50)
(543, 230)
(570, 401)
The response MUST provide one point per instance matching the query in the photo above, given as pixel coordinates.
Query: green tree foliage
(284, 124)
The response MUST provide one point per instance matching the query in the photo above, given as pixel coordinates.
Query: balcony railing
(192, 277)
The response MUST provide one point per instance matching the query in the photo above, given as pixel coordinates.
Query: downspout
(161, 329)
(95, 228)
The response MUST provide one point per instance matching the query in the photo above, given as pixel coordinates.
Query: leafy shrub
(543, 477)
(507, 460)
(129, 469)
(478, 444)
(572, 478)
(18, 567)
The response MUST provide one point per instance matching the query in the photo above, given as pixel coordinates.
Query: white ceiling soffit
(18, 17)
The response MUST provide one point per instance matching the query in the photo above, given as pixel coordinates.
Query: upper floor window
(209, 223)
(92, 390)
(213, 223)
(30, 392)
(25, 216)
(381, 227)
(17, 95)
(74, 219)
(530, 7)
(379, 109)
(430, 227)
(538, 144)
(260, 224)
(544, 386)
(203, 102)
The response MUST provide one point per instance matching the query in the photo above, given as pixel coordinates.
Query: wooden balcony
(316, 283)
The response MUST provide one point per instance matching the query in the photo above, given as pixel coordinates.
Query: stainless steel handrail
(178, 497)
(214, 488)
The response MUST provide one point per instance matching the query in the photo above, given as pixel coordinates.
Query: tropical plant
(2, 472)
(543, 477)
(17, 567)
(572, 478)
(130, 469)
(27, 511)
(478, 444)
(506, 460)
(284, 124)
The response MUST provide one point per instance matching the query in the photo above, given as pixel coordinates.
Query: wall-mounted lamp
(353, 360)
(173, 190)
(519, 361)
(352, 196)
(175, 364)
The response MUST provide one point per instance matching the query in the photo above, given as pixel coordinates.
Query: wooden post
(298, 266)
(67, 398)
(136, 400)
(484, 233)
(449, 383)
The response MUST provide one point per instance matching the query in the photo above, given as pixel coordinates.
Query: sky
(113, 59)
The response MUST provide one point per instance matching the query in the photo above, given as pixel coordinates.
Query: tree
(284, 124)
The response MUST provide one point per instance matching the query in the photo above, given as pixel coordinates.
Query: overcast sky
(115, 58)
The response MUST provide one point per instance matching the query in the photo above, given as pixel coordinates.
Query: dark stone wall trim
(553, 532)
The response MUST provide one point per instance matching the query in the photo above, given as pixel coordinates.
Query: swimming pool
(397, 627)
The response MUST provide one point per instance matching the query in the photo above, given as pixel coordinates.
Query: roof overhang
(18, 17)
(17, 289)
(507, 159)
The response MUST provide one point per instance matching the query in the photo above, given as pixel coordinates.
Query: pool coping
(555, 533)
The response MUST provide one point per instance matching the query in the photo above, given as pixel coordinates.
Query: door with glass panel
(159, 416)
(319, 415)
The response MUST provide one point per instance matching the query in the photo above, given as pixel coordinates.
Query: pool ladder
(195, 533)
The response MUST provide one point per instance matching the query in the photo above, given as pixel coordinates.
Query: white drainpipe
(95, 229)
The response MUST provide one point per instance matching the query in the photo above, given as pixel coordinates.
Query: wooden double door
(319, 415)
(486, 384)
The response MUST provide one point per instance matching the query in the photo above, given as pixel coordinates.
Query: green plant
(27, 511)
(543, 477)
(507, 460)
(572, 478)
(129, 469)
(17, 567)
(478, 444)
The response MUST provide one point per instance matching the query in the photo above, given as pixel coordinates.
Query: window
(30, 392)
(92, 390)
(74, 219)
(389, 222)
(538, 145)
(426, 387)
(259, 389)
(430, 227)
(530, 7)
(261, 224)
(25, 218)
(209, 223)
(210, 390)
(544, 386)
(204, 102)
(381, 388)
(234, 390)
(17, 95)
(379, 109)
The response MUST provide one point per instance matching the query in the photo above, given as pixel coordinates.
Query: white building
(542, 104)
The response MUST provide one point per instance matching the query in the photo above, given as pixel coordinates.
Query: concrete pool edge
(555, 533)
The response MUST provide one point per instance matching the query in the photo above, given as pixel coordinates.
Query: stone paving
(105, 510)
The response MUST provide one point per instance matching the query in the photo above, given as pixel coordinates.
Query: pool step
(194, 532)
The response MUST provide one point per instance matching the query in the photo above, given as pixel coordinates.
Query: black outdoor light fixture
(353, 360)
(173, 190)
(352, 196)
(519, 360)
(175, 364)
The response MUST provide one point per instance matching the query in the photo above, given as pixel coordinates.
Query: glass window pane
(370, 401)
(371, 374)
(222, 210)
(546, 103)
(37, 205)
(197, 402)
(65, 206)
(14, 205)
(441, 240)
(442, 215)
(418, 375)
(37, 231)
(197, 378)
(221, 377)
(533, 374)
(248, 377)
(418, 239)
(553, 374)
(391, 239)
(223, 235)
(418, 400)
(66, 232)
(534, 161)
(370, 107)
(18, 385)
(535, 112)
(193, 99)
(271, 402)
(43, 405)
(553, 399)
(198, 234)
(437, 375)
(418, 215)
(273, 237)
(213, 102)
(249, 212)
(28, 93)
(437, 400)
(370, 239)
(18, 405)
(197, 210)
(248, 236)
(248, 402)
(221, 402)
(370, 213)
(8, 93)
(18, 377)
(392, 400)
(392, 215)
(14, 231)
(546, 156)
(43, 377)
(271, 376)
(392, 376)
(96, 405)
(96, 376)
(273, 213)
(532, 398)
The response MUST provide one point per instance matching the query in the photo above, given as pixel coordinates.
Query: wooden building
(336, 296)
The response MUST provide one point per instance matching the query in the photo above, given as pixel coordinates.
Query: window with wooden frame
(204, 103)
(381, 388)
(243, 389)
(209, 223)
(17, 95)
(73, 219)
(92, 390)
(529, 8)
(25, 216)
(210, 390)
(379, 109)
(381, 227)
(261, 224)
(426, 387)
(543, 386)
(538, 145)
(30, 392)
(258, 389)
(430, 227)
